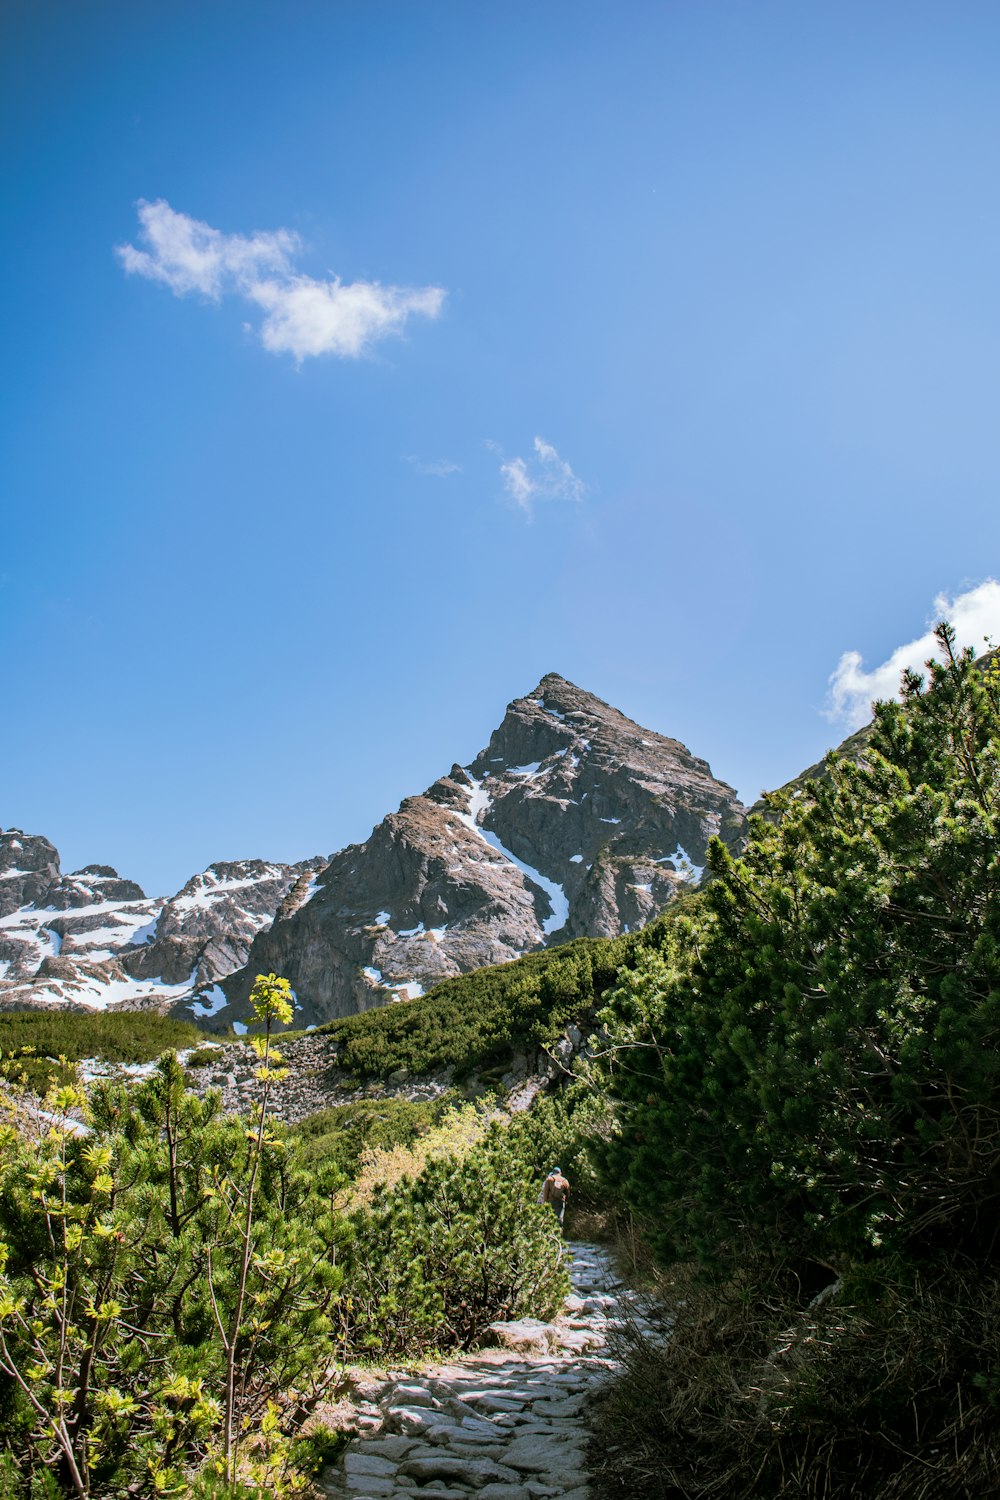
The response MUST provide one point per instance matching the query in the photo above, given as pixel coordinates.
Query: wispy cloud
(437, 468)
(975, 615)
(302, 315)
(545, 476)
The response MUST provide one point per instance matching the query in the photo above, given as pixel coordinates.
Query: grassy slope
(121, 1036)
(474, 1023)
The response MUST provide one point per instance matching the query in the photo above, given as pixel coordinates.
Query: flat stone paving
(501, 1424)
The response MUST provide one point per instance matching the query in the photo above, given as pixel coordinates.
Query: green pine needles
(477, 1023)
(177, 1290)
(433, 1262)
(165, 1277)
(815, 1047)
(808, 1076)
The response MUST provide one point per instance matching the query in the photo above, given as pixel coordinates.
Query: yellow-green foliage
(383, 1168)
(164, 1280)
(336, 1138)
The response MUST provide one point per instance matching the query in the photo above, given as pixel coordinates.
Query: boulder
(524, 1336)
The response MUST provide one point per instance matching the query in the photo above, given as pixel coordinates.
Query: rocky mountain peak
(93, 885)
(572, 821)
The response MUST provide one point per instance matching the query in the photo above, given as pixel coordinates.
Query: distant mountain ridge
(573, 821)
(92, 939)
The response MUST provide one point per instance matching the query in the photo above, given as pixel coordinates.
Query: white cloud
(188, 256)
(302, 316)
(437, 468)
(518, 482)
(974, 616)
(544, 477)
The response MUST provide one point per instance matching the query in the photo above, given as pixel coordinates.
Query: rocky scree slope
(573, 821)
(92, 939)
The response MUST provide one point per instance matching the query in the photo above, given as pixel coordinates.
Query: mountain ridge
(572, 821)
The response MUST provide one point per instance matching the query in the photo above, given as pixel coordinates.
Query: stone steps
(501, 1424)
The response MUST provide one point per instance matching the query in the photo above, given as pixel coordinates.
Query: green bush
(435, 1261)
(203, 1057)
(114, 1036)
(166, 1272)
(23, 1068)
(817, 1046)
(478, 1021)
(807, 1072)
(336, 1138)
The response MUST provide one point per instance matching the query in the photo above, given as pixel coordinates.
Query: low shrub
(479, 1021)
(36, 1074)
(132, 1036)
(203, 1057)
(165, 1280)
(434, 1261)
(340, 1137)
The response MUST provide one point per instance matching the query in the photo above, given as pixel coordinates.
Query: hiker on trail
(555, 1191)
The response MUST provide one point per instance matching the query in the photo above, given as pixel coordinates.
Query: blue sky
(657, 345)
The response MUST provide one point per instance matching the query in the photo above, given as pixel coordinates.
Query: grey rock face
(205, 931)
(93, 885)
(29, 865)
(573, 821)
(60, 919)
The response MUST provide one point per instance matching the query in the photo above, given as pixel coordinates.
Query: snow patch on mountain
(209, 1003)
(411, 990)
(480, 803)
(95, 992)
(210, 887)
(685, 865)
(94, 939)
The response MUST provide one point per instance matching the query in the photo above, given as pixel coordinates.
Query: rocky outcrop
(62, 928)
(206, 930)
(29, 865)
(572, 821)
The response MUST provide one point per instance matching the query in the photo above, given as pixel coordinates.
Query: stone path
(502, 1424)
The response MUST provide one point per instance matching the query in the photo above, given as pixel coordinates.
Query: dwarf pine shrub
(807, 1076)
(164, 1279)
(432, 1262)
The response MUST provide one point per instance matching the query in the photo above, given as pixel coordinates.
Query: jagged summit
(572, 821)
(92, 939)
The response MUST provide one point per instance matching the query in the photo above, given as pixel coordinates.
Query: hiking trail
(501, 1424)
